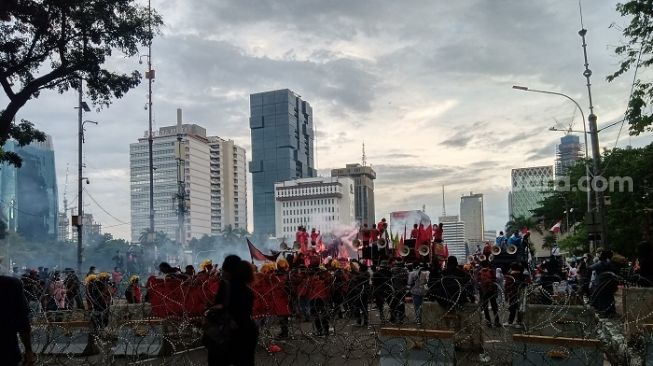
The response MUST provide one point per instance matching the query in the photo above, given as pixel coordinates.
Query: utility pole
(150, 138)
(596, 154)
(80, 205)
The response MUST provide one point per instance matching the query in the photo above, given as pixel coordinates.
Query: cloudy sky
(426, 85)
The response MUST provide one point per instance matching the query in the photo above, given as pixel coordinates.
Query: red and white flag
(556, 228)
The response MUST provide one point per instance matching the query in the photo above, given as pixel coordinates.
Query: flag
(400, 246)
(556, 228)
(256, 254)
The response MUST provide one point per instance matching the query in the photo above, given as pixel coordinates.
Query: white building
(209, 165)
(321, 203)
(471, 213)
(453, 234)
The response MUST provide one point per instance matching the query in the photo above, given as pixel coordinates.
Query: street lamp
(587, 169)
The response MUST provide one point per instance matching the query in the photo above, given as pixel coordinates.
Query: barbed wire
(559, 323)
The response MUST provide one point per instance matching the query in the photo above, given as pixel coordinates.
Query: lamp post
(582, 114)
(80, 202)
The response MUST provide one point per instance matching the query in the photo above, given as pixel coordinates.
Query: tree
(520, 222)
(54, 44)
(637, 52)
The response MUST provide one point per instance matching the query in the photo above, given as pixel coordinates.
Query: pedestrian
(418, 287)
(237, 299)
(14, 317)
(487, 282)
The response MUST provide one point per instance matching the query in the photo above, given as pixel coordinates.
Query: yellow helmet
(90, 278)
(268, 267)
(103, 276)
(134, 279)
(206, 263)
(282, 264)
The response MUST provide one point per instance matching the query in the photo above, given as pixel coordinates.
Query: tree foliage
(637, 52)
(54, 44)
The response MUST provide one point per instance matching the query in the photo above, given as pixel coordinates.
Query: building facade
(281, 125)
(471, 213)
(529, 187)
(363, 177)
(211, 171)
(321, 203)
(453, 234)
(568, 153)
(28, 195)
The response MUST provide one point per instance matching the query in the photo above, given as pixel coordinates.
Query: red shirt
(374, 234)
(365, 233)
(314, 236)
(414, 233)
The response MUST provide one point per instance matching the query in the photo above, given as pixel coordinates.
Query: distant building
(28, 195)
(281, 124)
(63, 233)
(453, 234)
(529, 187)
(213, 174)
(320, 203)
(363, 177)
(471, 213)
(568, 153)
(490, 235)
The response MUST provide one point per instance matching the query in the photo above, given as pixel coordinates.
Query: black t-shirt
(14, 317)
(241, 301)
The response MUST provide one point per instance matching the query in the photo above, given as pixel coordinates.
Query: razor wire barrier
(368, 323)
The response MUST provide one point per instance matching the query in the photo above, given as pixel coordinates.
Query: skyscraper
(28, 195)
(453, 234)
(471, 213)
(529, 187)
(363, 177)
(213, 176)
(281, 124)
(568, 153)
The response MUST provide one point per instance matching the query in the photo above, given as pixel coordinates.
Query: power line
(102, 208)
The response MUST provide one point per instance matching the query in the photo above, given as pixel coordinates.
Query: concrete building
(568, 153)
(471, 213)
(29, 201)
(453, 234)
(281, 124)
(320, 203)
(490, 235)
(363, 177)
(529, 187)
(63, 233)
(212, 173)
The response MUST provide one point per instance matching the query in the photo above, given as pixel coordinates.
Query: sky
(426, 85)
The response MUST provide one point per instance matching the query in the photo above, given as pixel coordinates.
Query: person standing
(487, 282)
(399, 285)
(359, 293)
(14, 317)
(381, 287)
(515, 284)
(236, 298)
(418, 287)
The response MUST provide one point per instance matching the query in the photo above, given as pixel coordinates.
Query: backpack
(486, 280)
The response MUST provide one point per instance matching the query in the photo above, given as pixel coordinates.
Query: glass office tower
(282, 149)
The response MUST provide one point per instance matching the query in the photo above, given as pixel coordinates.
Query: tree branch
(7, 87)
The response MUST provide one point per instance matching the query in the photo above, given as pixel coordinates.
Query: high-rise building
(63, 233)
(320, 203)
(490, 235)
(212, 175)
(529, 187)
(281, 124)
(28, 195)
(568, 153)
(363, 177)
(471, 213)
(453, 234)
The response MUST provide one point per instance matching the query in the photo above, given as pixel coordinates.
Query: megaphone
(512, 249)
(470, 259)
(297, 246)
(496, 250)
(404, 251)
(482, 257)
(284, 246)
(381, 243)
(491, 257)
(424, 250)
(356, 244)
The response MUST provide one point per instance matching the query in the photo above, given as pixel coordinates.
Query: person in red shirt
(414, 234)
(301, 238)
(315, 235)
(437, 233)
(365, 239)
(374, 233)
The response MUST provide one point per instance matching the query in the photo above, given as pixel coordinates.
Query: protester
(359, 293)
(418, 288)
(399, 281)
(515, 285)
(235, 297)
(133, 291)
(14, 317)
(73, 290)
(487, 282)
(602, 298)
(318, 284)
(381, 287)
